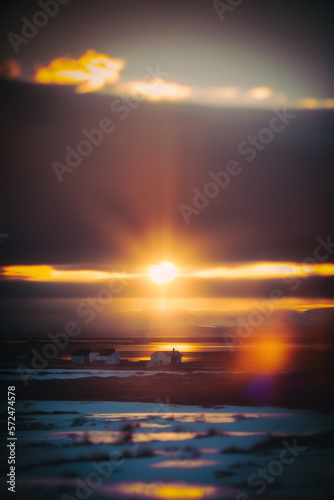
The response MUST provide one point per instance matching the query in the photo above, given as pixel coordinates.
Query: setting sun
(162, 273)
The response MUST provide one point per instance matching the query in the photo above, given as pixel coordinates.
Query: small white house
(80, 356)
(165, 358)
(93, 356)
(109, 356)
(87, 357)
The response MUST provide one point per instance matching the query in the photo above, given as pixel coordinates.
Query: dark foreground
(307, 390)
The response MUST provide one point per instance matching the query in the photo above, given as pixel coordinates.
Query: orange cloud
(48, 273)
(90, 72)
(329, 103)
(312, 103)
(10, 69)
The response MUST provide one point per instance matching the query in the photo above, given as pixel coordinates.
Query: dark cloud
(126, 193)
(315, 287)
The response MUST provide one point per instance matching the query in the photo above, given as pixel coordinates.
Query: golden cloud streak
(312, 103)
(251, 271)
(156, 90)
(49, 273)
(90, 72)
(93, 71)
(266, 270)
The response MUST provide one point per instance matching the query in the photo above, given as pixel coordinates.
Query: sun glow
(163, 272)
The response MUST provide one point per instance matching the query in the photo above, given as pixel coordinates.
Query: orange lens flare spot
(271, 354)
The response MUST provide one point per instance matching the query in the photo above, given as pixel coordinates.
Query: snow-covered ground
(120, 450)
(68, 374)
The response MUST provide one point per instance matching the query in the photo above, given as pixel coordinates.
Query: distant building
(80, 356)
(109, 356)
(93, 356)
(165, 358)
(86, 357)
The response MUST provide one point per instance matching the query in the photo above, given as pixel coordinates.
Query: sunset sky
(175, 96)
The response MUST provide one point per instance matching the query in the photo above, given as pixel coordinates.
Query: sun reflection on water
(185, 464)
(170, 491)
